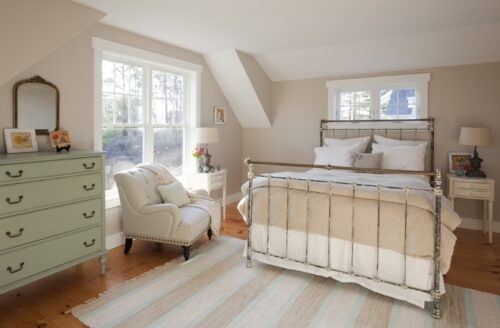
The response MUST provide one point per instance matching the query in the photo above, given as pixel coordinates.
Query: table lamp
(470, 136)
(207, 136)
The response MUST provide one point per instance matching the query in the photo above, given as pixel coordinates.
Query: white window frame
(105, 49)
(420, 82)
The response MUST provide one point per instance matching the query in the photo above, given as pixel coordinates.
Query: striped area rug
(215, 289)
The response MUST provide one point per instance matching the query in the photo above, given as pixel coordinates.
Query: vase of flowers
(198, 154)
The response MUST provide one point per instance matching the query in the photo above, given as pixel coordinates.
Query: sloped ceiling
(245, 85)
(32, 29)
(295, 39)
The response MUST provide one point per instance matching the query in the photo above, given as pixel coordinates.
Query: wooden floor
(44, 303)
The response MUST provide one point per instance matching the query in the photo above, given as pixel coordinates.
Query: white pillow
(339, 156)
(362, 141)
(174, 193)
(396, 142)
(402, 157)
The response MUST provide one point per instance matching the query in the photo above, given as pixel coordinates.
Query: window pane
(398, 103)
(124, 150)
(122, 99)
(355, 105)
(168, 148)
(168, 98)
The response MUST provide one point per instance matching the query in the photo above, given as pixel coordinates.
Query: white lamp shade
(207, 135)
(475, 136)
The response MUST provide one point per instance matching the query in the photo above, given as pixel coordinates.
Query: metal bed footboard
(434, 292)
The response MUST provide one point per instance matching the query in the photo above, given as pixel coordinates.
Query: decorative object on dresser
(60, 140)
(36, 105)
(459, 162)
(20, 140)
(472, 136)
(51, 214)
(207, 136)
(211, 181)
(475, 188)
(220, 115)
(147, 216)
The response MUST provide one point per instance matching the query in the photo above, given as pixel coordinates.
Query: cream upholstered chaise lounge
(145, 216)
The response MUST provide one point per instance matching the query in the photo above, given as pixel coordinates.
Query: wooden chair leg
(186, 252)
(209, 233)
(128, 245)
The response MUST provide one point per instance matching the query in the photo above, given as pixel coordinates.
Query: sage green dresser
(51, 214)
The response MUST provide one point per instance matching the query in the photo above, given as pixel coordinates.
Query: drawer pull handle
(92, 243)
(18, 175)
(12, 202)
(89, 167)
(8, 233)
(21, 266)
(88, 216)
(89, 188)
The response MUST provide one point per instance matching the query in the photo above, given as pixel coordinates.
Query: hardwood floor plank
(475, 264)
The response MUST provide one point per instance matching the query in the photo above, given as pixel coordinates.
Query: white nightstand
(211, 181)
(475, 188)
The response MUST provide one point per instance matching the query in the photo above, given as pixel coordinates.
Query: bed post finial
(248, 163)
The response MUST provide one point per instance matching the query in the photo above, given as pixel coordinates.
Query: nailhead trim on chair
(166, 241)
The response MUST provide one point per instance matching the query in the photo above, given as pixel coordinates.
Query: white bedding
(419, 269)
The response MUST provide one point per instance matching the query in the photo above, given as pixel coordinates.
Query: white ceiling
(288, 36)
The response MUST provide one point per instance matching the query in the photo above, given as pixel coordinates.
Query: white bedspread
(269, 228)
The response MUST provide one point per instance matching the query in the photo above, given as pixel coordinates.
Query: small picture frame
(60, 140)
(220, 115)
(20, 140)
(457, 159)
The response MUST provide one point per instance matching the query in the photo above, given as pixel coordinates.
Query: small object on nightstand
(475, 137)
(207, 136)
(475, 188)
(209, 182)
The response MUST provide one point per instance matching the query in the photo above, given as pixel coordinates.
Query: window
(384, 98)
(145, 110)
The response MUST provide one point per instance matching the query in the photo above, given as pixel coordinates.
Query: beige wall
(71, 69)
(458, 96)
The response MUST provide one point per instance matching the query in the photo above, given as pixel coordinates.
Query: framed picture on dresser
(20, 140)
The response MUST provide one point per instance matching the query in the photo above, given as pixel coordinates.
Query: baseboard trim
(476, 224)
(232, 198)
(115, 240)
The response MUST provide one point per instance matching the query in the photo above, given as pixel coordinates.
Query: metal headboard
(388, 128)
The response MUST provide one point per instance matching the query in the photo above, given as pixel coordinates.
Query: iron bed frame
(436, 181)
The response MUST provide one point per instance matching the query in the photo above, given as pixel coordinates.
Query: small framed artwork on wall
(220, 115)
(20, 140)
(459, 162)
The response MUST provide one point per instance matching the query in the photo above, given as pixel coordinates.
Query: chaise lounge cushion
(194, 221)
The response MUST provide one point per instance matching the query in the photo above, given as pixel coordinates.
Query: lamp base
(475, 163)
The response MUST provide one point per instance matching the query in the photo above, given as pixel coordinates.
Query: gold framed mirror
(36, 105)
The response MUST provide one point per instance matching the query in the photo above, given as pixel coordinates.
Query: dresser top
(46, 156)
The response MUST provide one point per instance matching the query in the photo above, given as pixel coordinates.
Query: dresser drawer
(472, 193)
(25, 228)
(33, 170)
(33, 195)
(34, 259)
(472, 185)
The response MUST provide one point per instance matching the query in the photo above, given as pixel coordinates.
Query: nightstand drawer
(472, 193)
(472, 185)
(217, 180)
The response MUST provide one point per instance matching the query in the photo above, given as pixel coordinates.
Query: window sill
(112, 199)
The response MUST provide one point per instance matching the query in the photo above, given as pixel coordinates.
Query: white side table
(209, 182)
(475, 188)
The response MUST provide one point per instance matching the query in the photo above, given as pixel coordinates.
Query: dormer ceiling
(294, 39)
(32, 29)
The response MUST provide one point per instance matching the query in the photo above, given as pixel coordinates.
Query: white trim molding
(115, 240)
(477, 224)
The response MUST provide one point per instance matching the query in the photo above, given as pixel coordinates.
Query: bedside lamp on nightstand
(207, 136)
(475, 137)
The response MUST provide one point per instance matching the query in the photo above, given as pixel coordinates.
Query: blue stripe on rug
(326, 304)
(469, 308)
